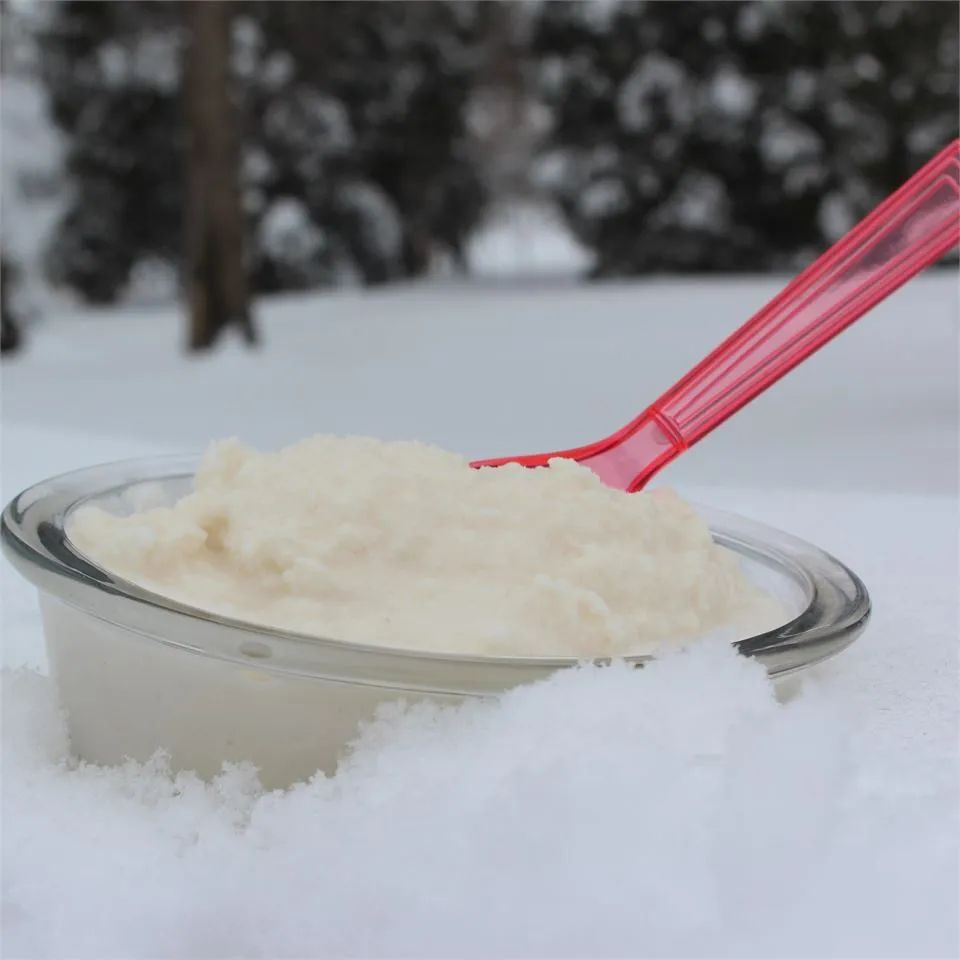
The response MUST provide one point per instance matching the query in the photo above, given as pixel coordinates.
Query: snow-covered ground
(674, 811)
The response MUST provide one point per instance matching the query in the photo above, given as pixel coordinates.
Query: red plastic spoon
(906, 233)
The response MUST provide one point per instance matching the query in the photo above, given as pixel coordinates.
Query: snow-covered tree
(112, 74)
(31, 188)
(354, 163)
(741, 135)
(361, 111)
(736, 135)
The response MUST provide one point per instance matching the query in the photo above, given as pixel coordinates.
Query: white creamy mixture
(405, 545)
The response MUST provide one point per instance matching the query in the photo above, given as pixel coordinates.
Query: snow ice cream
(405, 545)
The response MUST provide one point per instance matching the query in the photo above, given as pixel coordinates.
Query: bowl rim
(34, 538)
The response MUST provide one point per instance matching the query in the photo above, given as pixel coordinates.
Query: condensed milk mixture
(405, 545)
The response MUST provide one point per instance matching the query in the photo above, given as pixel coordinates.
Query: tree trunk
(9, 326)
(216, 272)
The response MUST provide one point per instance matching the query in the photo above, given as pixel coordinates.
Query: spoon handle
(911, 229)
(906, 233)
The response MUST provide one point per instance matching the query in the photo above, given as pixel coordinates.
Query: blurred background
(210, 153)
(498, 227)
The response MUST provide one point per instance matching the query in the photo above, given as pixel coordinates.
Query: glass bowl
(137, 671)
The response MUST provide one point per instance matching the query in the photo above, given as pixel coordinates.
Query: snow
(752, 20)
(599, 14)
(675, 811)
(836, 215)
(31, 192)
(287, 233)
(604, 198)
(801, 89)
(312, 124)
(278, 68)
(699, 202)
(378, 217)
(524, 239)
(655, 75)
(732, 93)
(785, 141)
(148, 61)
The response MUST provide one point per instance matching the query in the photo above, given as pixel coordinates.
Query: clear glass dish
(137, 671)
